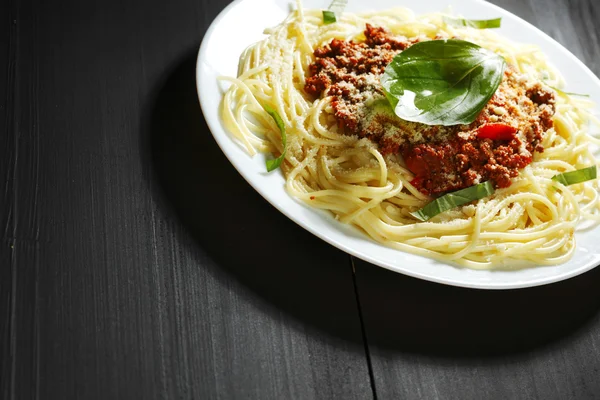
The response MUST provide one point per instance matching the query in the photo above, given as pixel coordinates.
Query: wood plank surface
(429, 341)
(7, 147)
(136, 263)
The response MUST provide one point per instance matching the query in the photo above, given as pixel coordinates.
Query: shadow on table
(244, 235)
(412, 315)
(303, 276)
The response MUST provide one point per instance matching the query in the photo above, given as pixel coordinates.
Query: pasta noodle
(532, 220)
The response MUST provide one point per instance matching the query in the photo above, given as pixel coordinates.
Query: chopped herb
(336, 7)
(328, 17)
(442, 82)
(453, 200)
(569, 93)
(474, 23)
(274, 164)
(578, 176)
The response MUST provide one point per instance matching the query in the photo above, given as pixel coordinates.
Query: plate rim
(489, 285)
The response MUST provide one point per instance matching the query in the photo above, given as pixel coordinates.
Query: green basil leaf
(569, 93)
(442, 82)
(336, 6)
(328, 17)
(474, 23)
(578, 176)
(454, 199)
(274, 164)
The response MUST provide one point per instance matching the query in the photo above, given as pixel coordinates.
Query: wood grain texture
(8, 130)
(433, 341)
(428, 341)
(136, 263)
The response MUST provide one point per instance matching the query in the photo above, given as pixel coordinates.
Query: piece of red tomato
(417, 181)
(496, 132)
(416, 164)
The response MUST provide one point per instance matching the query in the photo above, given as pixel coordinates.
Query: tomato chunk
(416, 164)
(497, 132)
(417, 181)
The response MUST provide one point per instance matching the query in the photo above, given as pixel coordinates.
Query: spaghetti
(330, 168)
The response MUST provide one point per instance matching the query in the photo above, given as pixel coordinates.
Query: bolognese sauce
(500, 142)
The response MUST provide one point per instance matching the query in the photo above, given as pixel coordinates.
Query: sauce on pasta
(374, 179)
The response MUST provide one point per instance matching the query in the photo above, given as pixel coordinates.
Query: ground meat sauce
(443, 158)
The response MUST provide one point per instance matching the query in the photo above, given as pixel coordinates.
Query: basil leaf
(454, 199)
(274, 164)
(578, 176)
(568, 93)
(336, 6)
(442, 82)
(474, 23)
(328, 17)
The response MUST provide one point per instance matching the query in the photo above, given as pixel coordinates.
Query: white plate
(242, 24)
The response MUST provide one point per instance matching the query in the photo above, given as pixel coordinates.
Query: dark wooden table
(122, 277)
